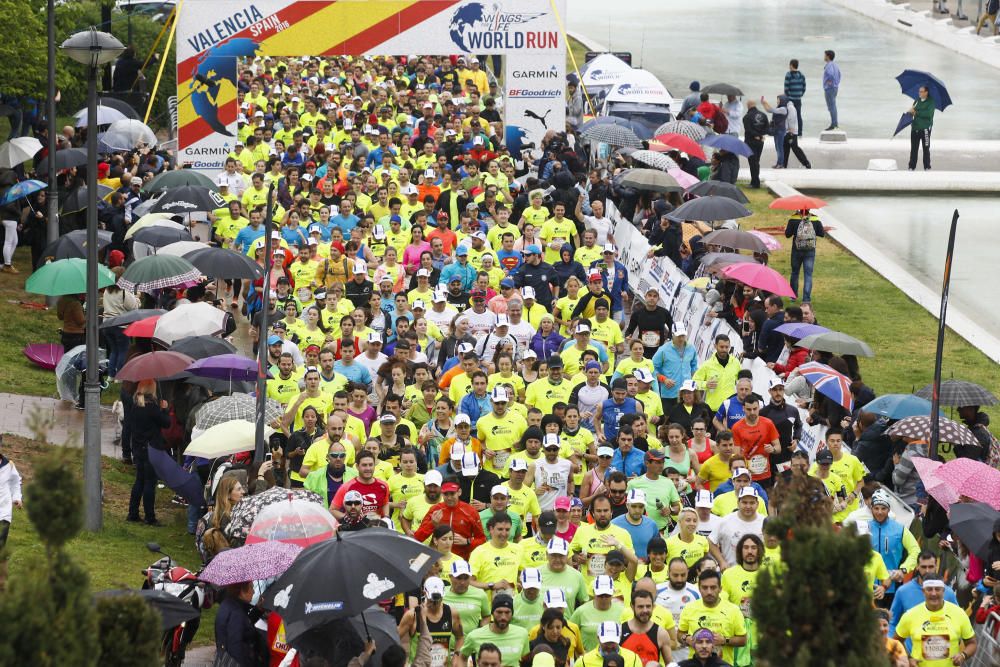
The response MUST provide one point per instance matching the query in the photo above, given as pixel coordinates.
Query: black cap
(555, 361)
(615, 556)
(824, 456)
(503, 601)
(547, 522)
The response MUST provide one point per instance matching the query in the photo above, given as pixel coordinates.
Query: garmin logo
(551, 73)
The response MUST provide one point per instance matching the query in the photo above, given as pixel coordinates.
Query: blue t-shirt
(246, 236)
(730, 412)
(632, 464)
(641, 534)
(612, 413)
(346, 224)
(355, 372)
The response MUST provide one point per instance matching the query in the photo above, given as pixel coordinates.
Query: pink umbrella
(44, 355)
(684, 179)
(934, 485)
(298, 522)
(957, 472)
(153, 366)
(983, 486)
(769, 241)
(250, 562)
(759, 276)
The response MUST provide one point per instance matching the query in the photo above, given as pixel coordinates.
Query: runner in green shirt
(471, 604)
(512, 640)
(662, 499)
(528, 605)
(557, 575)
(602, 608)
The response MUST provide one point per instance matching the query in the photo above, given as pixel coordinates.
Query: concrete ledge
(863, 180)
(928, 299)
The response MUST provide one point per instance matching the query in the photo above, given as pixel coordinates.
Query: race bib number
(935, 647)
(758, 464)
(439, 655)
(500, 459)
(650, 338)
(596, 564)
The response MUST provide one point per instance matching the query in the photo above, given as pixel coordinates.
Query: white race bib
(500, 459)
(758, 464)
(650, 338)
(935, 647)
(439, 655)
(596, 564)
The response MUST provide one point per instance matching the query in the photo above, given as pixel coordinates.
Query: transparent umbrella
(295, 522)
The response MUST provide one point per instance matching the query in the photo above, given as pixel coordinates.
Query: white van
(641, 98)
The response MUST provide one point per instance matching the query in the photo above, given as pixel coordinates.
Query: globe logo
(466, 19)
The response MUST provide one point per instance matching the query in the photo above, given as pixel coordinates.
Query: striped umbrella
(685, 127)
(156, 272)
(835, 386)
(960, 393)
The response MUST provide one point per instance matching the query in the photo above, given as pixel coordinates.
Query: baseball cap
(279, 324)
(554, 597)
(643, 375)
(378, 232)
(433, 477)
(460, 568)
(434, 587)
(558, 545)
(409, 189)
(550, 440)
(135, 180)
(532, 250)
(609, 247)
(703, 499)
(594, 277)
(418, 304)
(374, 337)
(555, 361)
(462, 419)
(581, 328)
(824, 457)
(387, 418)
(518, 465)
(498, 489)
(605, 451)
(636, 497)
(531, 577)
(449, 487)
(529, 354)
(470, 464)
(477, 294)
(359, 267)
(503, 320)
(678, 329)
(562, 503)
(439, 297)
(655, 455)
(689, 385)
(499, 395)
(547, 522)
(741, 471)
(273, 339)
(528, 292)
(506, 282)
(775, 382)
(749, 491)
(464, 347)
(461, 250)
(353, 497)
(603, 585)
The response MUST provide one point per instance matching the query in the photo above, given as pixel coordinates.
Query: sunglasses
(337, 456)
(617, 492)
(605, 456)
(353, 503)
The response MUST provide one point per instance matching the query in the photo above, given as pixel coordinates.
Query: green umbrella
(178, 178)
(66, 276)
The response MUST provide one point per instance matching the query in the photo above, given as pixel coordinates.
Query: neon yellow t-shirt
(589, 540)
(499, 434)
(935, 634)
(542, 394)
(490, 563)
(556, 232)
(691, 552)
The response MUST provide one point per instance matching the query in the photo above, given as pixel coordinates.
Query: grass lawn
(116, 556)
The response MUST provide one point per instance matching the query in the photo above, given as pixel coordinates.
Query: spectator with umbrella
(920, 131)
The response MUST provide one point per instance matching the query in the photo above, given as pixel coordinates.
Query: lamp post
(93, 49)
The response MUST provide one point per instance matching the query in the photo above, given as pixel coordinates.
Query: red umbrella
(154, 365)
(797, 203)
(142, 328)
(681, 143)
(759, 276)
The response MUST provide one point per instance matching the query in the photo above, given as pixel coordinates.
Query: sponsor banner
(535, 102)
(212, 34)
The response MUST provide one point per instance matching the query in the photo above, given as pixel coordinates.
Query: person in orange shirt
(894, 647)
(463, 438)
(758, 438)
(443, 231)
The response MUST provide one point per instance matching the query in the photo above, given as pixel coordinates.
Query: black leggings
(144, 487)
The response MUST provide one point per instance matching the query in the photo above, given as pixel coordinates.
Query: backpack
(805, 235)
(721, 122)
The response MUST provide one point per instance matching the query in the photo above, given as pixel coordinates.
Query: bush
(129, 631)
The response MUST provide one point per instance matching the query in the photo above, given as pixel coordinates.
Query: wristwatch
(491, 585)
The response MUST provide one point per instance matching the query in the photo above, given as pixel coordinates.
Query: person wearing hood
(979, 423)
(729, 167)
(666, 240)
(566, 267)
(789, 137)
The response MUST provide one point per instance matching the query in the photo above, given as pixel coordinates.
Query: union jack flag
(828, 382)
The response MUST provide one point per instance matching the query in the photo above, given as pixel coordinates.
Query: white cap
(689, 385)
(241, 118)
(678, 330)
(378, 231)
(531, 577)
(418, 304)
(529, 354)
(306, 177)
(528, 292)
(502, 319)
(430, 173)
(348, 107)
(609, 247)
(409, 189)
(603, 585)
(582, 327)
(518, 464)
(605, 451)
(499, 395)
(702, 499)
(749, 491)
(258, 114)
(470, 464)
(636, 497)
(555, 598)
(464, 347)
(428, 105)
(457, 451)
(222, 180)
(550, 440)
(558, 545)
(609, 632)
(353, 497)
(439, 297)
(423, 273)
(374, 337)
(433, 477)
(643, 375)
(775, 382)
(312, 241)
(499, 489)
(275, 236)
(360, 267)
(460, 568)
(477, 140)
(434, 587)
(741, 471)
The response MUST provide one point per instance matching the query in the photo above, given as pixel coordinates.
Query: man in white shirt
(237, 184)
(744, 521)
(598, 222)
(519, 329)
(553, 475)
(372, 358)
(675, 594)
(441, 314)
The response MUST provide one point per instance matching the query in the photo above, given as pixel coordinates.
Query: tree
(22, 41)
(815, 610)
(129, 632)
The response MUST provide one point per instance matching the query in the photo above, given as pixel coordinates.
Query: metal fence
(988, 651)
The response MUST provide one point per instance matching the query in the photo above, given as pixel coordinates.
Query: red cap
(338, 245)
(449, 487)
(115, 258)
(310, 164)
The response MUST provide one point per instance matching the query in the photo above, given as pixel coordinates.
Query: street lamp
(93, 49)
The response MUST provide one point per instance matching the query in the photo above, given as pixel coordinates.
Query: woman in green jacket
(920, 131)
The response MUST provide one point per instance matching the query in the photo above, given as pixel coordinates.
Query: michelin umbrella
(183, 482)
(727, 142)
(974, 524)
(21, 190)
(66, 276)
(838, 343)
(188, 199)
(199, 347)
(224, 263)
(717, 189)
(327, 639)
(172, 610)
(177, 178)
(73, 245)
(245, 512)
(693, 131)
(835, 386)
(18, 151)
(131, 316)
(65, 159)
(912, 80)
(373, 564)
(960, 393)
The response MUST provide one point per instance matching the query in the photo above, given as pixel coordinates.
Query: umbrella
(77, 199)
(225, 367)
(142, 328)
(835, 342)
(828, 382)
(18, 151)
(224, 263)
(183, 482)
(727, 142)
(684, 179)
(69, 369)
(105, 116)
(612, 134)
(736, 239)
(797, 203)
(66, 276)
(650, 180)
(722, 89)
(905, 121)
(720, 260)
(161, 236)
(637, 128)
(153, 366)
(693, 131)
(799, 329)
(173, 610)
(770, 242)
(682, 143)
(934, 485)
(912, 80)
(948, 431)
(152, 220)
(654, 159)
(245, 511)
(325, 639)
(188, 199)
(21, 190)
(156, 272)
(199, 347)
(984, 486)
(759, 276)
(119, 105)
(297, 522)
(899, 406)
(127, 134)
(65, 159)
(74, 245)
(709, 209)
(217, 387)
(237, 406)
(373, 564)
(718, 189)
(973, 524)
(178, 178)
(44, 355)
(251, 562)
(181, 248)
(189, 319)
(960, 393)
(130, 317)
(224, 439)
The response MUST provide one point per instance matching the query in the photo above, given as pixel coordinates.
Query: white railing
(988, 646)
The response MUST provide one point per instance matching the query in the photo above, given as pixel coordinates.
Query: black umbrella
(130, 317)
(960, 393)
(173, 611)
(77, 200)
(199, 347)
(718, 189)
(119, 105)
(371, 565)
(974, 523)
(224, 263)
(161, 236)
(337, 636)
(73, 245)
(709, 209)
(188, 199)
(216, 386)
(65, 158)
(178, 178)
(722, 89)
(736, 239)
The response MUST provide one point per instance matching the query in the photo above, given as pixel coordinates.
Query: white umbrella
(181, 248)
(189, 319)
(19, 150)
(153, 220)
(124, 135)
(227, 438)
(105, 116)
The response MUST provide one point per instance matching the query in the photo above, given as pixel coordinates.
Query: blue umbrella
(22, 190)
(904, 121)
(898, 406)
(186, 484)
(727, 142)
(800, 329)
(911, 80)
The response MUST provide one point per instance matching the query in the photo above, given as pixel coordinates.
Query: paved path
(54, 421)
(202, 656)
